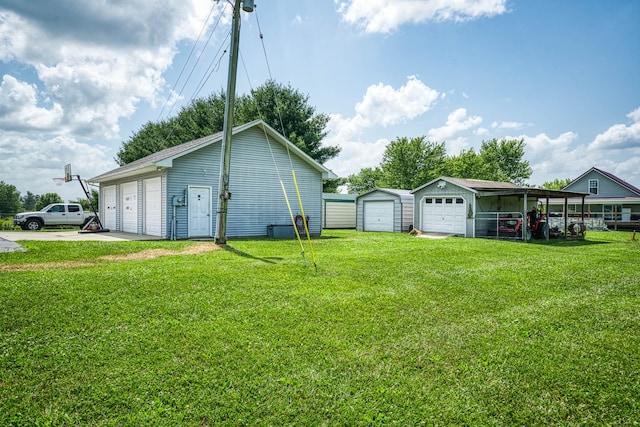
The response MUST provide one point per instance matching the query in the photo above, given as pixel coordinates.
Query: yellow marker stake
(304, 218)
(293, 221)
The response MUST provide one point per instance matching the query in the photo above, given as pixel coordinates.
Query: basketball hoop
(59, 181)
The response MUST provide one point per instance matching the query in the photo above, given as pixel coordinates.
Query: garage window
(449, 201)
(439, 201)
(459, 201)
(428, 201)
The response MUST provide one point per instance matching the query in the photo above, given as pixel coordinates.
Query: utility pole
(225, 156)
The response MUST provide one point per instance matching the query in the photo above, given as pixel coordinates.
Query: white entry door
(153, 207)
(199, 203)
(444, 215)
(129, 207)
(110, 206)
(378, 215)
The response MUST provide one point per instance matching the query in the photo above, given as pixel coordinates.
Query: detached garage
(479, 208)
(384, 209)
(172, 193)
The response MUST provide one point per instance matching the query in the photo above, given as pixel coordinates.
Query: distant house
(338, 210)
(385, 209)
(478, 208)
(172, 194)
(609, 198)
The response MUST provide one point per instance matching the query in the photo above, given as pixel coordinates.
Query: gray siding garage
(477, 208)
(173, 193)
(443, 206)
(384, 209)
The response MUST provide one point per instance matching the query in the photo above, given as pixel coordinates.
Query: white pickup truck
(54, 214)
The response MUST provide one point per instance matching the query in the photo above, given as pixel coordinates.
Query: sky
(78, 78)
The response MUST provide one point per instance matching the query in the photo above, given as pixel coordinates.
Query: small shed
(384, 209)
(173, 193)
(338, 210)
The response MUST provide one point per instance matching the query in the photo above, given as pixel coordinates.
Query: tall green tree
(408, 163)
(282, 107)
(47, 199)
(365, 180)
(557, 184)
(504, 160)
(9, 200)
(29, 201)
(468, 164)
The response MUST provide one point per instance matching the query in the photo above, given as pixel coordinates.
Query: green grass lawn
(389, 330)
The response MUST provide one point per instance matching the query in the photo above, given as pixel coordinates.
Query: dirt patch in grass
(157, 253)
(135, 256)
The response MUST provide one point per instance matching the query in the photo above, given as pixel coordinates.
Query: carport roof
(496, 188)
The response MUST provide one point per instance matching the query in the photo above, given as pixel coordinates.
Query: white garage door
(129, 207)
(444, 215)
(378, 215)
(153, 207)
(110, 206)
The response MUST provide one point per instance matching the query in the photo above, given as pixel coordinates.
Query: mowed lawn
(389, 330)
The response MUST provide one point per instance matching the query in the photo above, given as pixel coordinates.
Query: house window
(593, 186)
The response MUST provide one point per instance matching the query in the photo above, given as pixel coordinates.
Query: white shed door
(199, 203)
(153, 207)
(444, 215)
(110, 206)
(378, 215)
(129, 207)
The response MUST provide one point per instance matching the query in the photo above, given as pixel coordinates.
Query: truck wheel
(33, 225)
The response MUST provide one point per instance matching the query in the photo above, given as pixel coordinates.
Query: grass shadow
(267, 260)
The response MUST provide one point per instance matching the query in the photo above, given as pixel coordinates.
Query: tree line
(12, 202)
(407, 163)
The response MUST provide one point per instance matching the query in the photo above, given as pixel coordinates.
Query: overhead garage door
(130, 207)
(378, 215)
(152, 207)
(444, 215)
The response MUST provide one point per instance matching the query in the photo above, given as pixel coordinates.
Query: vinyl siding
(606, 186)
(257, 199)
(451, 190)
(403, 209)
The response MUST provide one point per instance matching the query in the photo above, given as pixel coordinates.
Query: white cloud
(384, 16)
(19, 107)
(381, 106)
(95, 62)
(31, 164)
(507, 125)
(457, 123)
(620, 136)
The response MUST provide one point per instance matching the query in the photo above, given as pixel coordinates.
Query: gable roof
(473, 185)
(496, 188)
(611, 176)
(164, 158)
(392, 191)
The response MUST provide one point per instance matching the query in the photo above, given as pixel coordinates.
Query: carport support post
(525, 226)
(225, 155)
